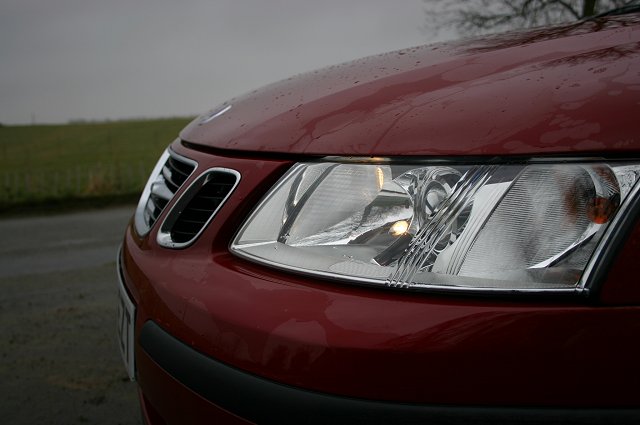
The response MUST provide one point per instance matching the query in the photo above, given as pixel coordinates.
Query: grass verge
(45, 168)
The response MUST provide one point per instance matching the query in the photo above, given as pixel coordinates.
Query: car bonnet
(571, 89)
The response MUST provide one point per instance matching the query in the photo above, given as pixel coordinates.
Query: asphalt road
(60, 361)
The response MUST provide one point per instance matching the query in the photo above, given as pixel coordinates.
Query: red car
(443, 234)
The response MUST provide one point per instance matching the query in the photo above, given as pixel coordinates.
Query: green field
(44, 165)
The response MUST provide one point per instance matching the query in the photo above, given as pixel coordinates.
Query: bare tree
(484, 16)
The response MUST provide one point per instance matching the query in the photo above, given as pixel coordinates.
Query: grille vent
(168, 176)
(197, 207)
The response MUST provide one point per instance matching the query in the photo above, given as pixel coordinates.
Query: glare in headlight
(507, 227)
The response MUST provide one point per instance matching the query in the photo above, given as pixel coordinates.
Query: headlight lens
(529, 226)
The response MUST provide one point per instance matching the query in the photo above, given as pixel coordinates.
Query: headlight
(527, 226)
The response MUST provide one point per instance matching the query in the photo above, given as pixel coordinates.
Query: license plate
(126, 323)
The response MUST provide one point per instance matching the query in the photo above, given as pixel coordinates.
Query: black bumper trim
(264, 402)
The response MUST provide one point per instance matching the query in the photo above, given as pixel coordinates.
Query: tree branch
(478, 16)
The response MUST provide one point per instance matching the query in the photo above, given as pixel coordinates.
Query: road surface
(60, 361)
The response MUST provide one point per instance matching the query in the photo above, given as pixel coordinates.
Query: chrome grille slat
(168, 178)
(152, 212)
(160, 190)
(170, 174)
(178, 167)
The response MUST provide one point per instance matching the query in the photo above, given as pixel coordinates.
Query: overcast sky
(67, 60)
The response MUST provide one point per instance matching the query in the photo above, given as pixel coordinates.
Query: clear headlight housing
(507, 227)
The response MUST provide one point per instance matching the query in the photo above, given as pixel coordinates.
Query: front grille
(168, 176)
(202, 206)
(197, 207)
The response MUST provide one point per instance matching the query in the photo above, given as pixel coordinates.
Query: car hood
(569, 89)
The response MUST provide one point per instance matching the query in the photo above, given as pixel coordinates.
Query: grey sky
(108, 59)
